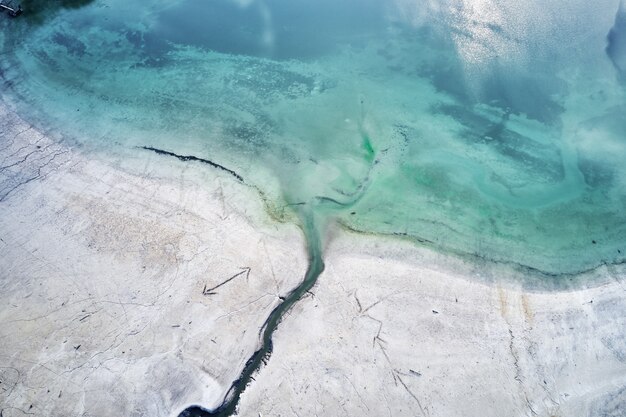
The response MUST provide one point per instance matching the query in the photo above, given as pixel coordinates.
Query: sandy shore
(395, 330)
(107, 308)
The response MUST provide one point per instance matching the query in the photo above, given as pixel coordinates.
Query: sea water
(494, 129)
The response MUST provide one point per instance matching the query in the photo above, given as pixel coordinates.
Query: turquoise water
(479, 127)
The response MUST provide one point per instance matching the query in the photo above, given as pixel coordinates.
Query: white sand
(102, 273)
(103, 264)
(394, 330)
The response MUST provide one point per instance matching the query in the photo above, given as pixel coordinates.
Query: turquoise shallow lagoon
(494, 129)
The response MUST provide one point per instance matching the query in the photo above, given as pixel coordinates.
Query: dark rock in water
(616, 48)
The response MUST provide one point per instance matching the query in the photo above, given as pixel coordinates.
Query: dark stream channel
(315, 268)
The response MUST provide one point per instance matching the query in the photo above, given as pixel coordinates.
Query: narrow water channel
(315, 268)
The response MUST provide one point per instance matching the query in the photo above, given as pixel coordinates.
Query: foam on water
(482, 127)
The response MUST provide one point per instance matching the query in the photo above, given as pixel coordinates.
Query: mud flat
(111, 273)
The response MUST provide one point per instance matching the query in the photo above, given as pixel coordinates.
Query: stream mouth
(467, 130)
(311, 232)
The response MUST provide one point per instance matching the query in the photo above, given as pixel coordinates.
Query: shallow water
(489, 128)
